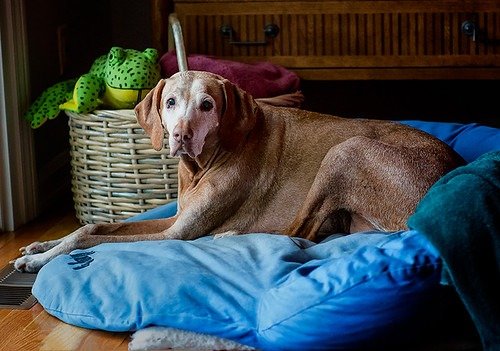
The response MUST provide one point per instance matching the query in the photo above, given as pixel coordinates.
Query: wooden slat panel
(335, 38)
(330, 44)
(396, 37)
(201, 33)
(352, 36)
(361, 33)
(255, 33)
(455, 29)
(259, 26)
(447, 35)
(371, 35)
(429, 34)
(387, 34)
(495, 33)
(262, 23)
(378, 39)
(344, 34)
(294, 36)
(337, 34)
(481, 21)
(310, 41)
(286, 39)
(242, 34)
(211, 31)
(320, 35)
(404, 40)
(379, 35)
(420, 50)
(438, 33)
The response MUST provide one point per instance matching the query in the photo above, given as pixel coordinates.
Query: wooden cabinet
(340, 40)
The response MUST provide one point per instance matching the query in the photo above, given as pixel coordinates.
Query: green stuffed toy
(118, 80)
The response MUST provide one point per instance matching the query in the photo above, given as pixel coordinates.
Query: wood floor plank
(64, 337)
(13, 335)
(4, 313)
(99, 340)
(21, 340)
(35, 329)
(5, 238)
(43, 322)
(41, 230)
(82, 339)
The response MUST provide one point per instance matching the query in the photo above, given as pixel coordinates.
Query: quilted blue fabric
(268, 291)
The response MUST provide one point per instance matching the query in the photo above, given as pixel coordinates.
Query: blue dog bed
(365, 290)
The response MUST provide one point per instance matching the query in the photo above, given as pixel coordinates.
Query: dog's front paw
(31, 249)
(38, 247)
(29, 264)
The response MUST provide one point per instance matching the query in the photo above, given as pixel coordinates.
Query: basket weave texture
(115, 171)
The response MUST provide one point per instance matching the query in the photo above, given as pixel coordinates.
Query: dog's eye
(170, 102)
(206, 105)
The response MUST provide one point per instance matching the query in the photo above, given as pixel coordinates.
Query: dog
(247, 166)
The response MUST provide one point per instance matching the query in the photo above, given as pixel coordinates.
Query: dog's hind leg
(364, 184)
(323, 205)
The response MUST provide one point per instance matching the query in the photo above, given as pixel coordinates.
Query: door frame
(18, 180)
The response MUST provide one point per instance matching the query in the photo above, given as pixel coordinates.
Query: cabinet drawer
(317, 37)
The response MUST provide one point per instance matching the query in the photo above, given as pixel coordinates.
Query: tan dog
(247, 167)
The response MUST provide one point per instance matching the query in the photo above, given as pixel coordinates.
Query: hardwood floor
(35, 329)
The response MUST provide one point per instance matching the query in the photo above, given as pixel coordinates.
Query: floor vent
(15, 289)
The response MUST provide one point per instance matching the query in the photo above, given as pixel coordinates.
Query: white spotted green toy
(118, 80)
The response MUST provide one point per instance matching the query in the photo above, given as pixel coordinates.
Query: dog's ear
(148, 115)
(238, 116)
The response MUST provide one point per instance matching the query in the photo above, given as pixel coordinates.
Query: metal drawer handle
(270, 31)
(469, 28)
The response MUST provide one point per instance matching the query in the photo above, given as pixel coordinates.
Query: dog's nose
(182, 134)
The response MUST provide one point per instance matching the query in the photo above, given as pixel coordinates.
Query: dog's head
(197, 110)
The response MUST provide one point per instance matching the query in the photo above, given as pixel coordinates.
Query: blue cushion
(469, 140)
(268, 291)
(163, 211)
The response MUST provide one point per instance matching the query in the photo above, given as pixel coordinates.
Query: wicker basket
(115, 171)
